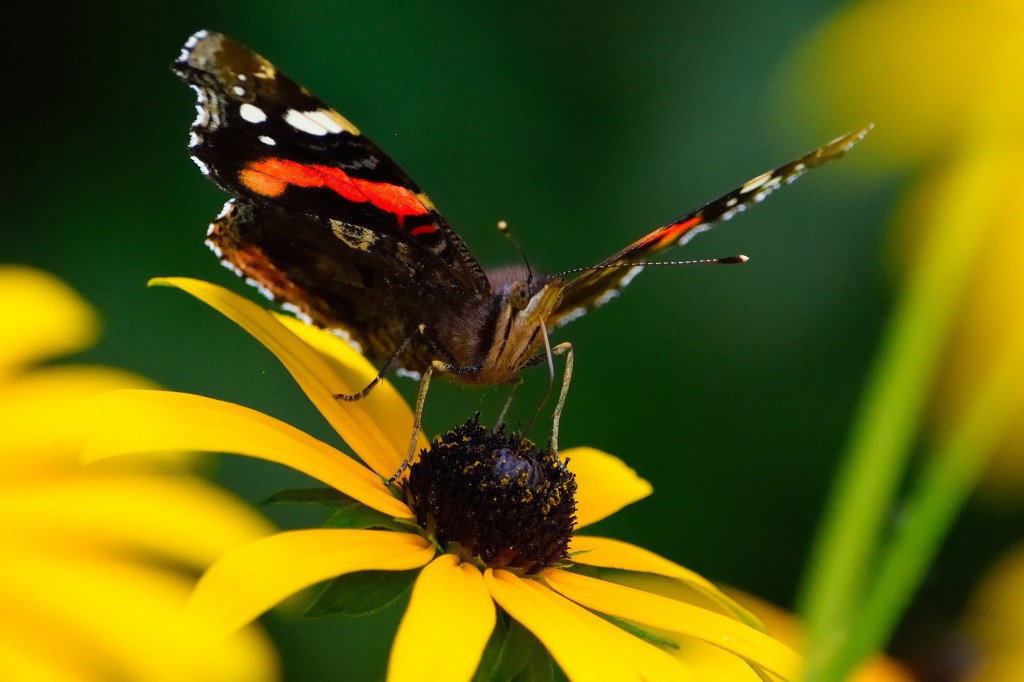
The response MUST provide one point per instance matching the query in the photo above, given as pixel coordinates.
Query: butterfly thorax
(512, 333)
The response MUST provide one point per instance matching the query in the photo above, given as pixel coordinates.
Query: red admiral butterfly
(325, 222)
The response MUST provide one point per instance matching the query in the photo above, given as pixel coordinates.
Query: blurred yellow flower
(994, 620)
(591, 627)
(927, 73)
(942, 82)
(98, 562)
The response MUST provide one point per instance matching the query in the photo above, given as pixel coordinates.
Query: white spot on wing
(573, 314)
(228, 206)
(259, 287)
(194, 39)
(202, 118)
(633, 272)
(238, 90)
(605, 297)
(193, 139)
(304, 122)
(347, 338)
(252, 113)
(322, 118)
(297, 312)
(756, 182)
(202, 166)
(266, 139)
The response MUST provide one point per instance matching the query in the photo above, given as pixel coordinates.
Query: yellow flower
(98, 562)
(994, 620)
(925, 72)
(711, 663)
(941, 81)
(452, 612)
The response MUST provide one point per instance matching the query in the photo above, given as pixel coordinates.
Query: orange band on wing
(664, 236)
(270, 177)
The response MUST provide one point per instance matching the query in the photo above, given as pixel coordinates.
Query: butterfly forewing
(597, 285)
(263, 137)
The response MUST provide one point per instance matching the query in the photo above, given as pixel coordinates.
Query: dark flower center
(494, 497)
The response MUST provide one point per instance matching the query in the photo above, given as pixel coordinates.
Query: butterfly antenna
(728, 260)
(506, 232)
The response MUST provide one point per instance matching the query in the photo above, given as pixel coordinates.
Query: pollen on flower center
(494, 497)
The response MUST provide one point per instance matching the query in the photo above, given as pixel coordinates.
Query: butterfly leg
(508, 404)
(564, 348)
(417, 419)
(384, 370)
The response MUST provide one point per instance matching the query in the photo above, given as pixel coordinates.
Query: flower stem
(887, 424)
(946, 483)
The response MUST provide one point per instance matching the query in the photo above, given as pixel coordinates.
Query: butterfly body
(327, 224)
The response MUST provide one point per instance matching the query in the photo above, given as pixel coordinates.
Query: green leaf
(324, 496)
(639, 632)
(490, 661)
(362, 593)
(539, 668)
(358, 515)
(513, 653)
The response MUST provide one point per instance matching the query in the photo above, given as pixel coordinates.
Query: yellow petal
(876, 61)
(446, 627)
(123, 617)
(660, 612)
(355, 370)
(251, 579)
(40, 317)
(585, 646)
(605, 484)
(20, 661)
(371, 427)
(153, 421)
(42, 423)
(179, 518)
(609, 553)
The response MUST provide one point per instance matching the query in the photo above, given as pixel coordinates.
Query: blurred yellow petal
(605, 484)
(18, 661)
(42, 423)
(128, 616)
(146, 421)
(180, 518)
(446, 627)
(585, 646)
(40, 317)
(660, 612)
(610, 553)
(994, 619)
(890, 62)
(371, 427)
(253, 578)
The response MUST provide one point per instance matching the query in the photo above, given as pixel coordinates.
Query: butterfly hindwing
(367, 285)
(597, 285)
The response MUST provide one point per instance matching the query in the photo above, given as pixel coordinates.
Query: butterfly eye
(519, 295)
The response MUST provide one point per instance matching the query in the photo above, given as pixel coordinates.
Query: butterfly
(327, 224)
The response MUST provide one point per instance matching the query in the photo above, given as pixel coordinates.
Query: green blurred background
(583, 125)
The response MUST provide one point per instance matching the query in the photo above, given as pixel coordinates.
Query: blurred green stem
(887, 423)
(933, 506)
